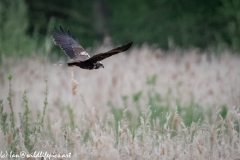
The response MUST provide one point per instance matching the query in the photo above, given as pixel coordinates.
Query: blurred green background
(25, 24)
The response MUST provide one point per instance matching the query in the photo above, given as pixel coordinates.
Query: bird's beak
(102, 66)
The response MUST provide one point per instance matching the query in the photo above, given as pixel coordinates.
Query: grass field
(148, 104)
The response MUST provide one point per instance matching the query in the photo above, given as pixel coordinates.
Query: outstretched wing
(101, 56)
(72, 49)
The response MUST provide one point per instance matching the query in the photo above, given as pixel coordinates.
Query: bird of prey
(77, 53)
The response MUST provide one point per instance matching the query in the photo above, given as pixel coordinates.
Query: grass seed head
(176, 119)
(74, 85)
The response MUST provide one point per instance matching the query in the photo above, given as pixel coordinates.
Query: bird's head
(98, 65)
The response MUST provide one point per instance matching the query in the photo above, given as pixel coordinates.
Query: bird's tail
(71, 64)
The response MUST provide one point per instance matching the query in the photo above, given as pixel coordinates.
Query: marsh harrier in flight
(77, 53)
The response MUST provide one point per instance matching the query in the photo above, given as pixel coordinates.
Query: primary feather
(72, 49)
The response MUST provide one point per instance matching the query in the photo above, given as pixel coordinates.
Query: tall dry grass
(213, 81)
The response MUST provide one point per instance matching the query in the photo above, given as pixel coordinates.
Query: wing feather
(65, 41)
(101, 56)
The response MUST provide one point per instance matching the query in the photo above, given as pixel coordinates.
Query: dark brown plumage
(76, 52)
